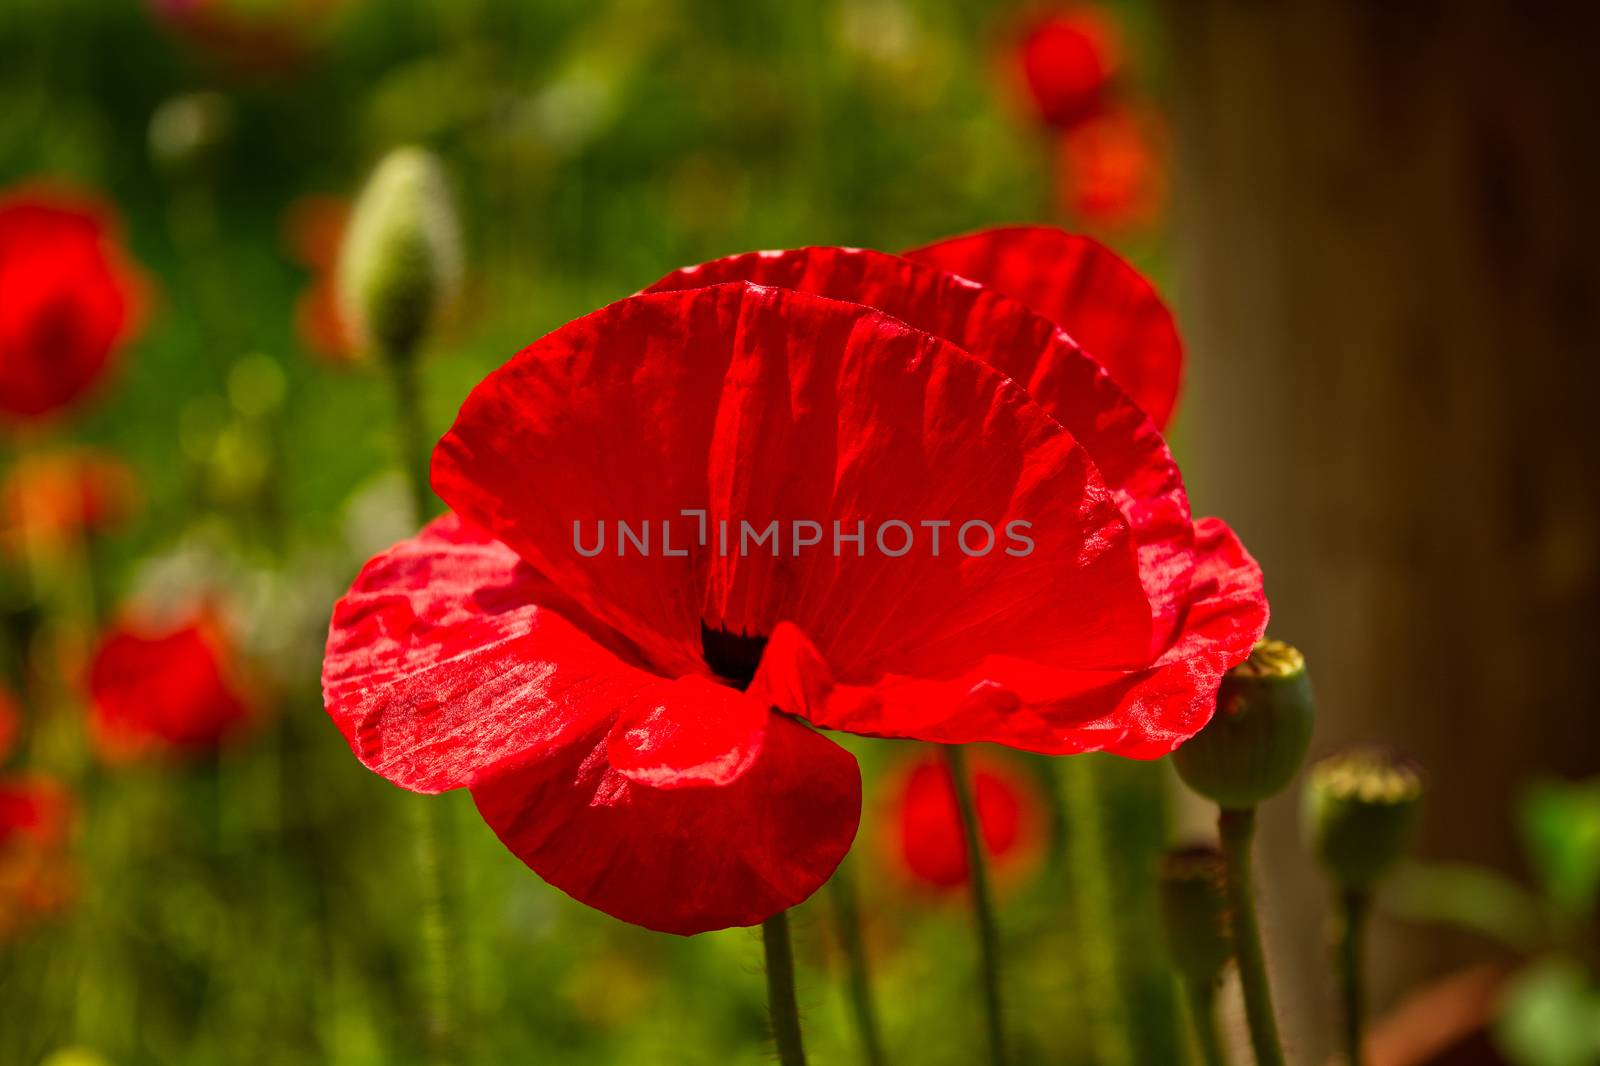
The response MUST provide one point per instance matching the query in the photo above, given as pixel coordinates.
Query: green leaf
(1551, 1016)
(1561, 830)
(1471, 897)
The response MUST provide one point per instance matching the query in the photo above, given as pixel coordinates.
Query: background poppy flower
(10, 723)
(926, 842)
(1201, 589)
(164, 687)
(56, 498)
(68, 299)
(1067, 60)
(592, 704)
(36, 877)
(1109, 170)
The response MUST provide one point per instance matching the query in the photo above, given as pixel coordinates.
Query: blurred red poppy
(68, 299)
(1110, 172)
(57, 498)
(10, 723)
(629, 720)
(165, 688)
(1068, 59)
(927, 842)
(1081, 285)
(250, 37)
(36, 875)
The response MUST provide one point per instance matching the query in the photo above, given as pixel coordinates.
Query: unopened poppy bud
(1253, 745)
(400, 265)
(1361, 808)
(1194, 912)
(186, 131)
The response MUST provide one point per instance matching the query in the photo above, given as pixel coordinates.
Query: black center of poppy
(732, 656)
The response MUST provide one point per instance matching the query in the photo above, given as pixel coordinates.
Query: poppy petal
(680, 860)
(1140, 714)
(443, 658)
(696, 732)
(766, 407)
(1090, 291)
(1070, 385)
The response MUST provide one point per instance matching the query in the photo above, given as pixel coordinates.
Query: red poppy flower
(1202, 591)
(629, 721)
(36, 876)
(58, 498)
(1085, 288)
(927, 841)
(68, 299)
(313, 229)
(1068, 59)
(163, 687)
(1109, 170)
(250, 37)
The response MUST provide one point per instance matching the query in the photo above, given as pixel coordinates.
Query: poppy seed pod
(1253, 745)
(1194, 912)
(400, 265)
(1361, 808)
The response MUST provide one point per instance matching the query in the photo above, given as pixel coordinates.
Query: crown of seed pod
(400, 265)
(1194, 912)
(1361, 807)
(1253, 745)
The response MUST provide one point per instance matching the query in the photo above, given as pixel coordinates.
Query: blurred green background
(261, 906)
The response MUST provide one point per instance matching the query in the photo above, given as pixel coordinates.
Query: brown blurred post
(1387, 266)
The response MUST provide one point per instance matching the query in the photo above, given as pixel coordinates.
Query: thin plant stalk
(1354, 907)
(982, 905)
(781, 1005)
(1201, 997)
(1237, 828)
(437, 936)
(1095, 914)
(847, 917)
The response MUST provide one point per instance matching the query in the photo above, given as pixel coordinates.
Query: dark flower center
(733, 657)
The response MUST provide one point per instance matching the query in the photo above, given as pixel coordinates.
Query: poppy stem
(847, 915)
(1354, 906)
(414, 451)
(440, 1019)
(780, 990)
(1202, 1000)
(1237, 828)
(982, 903)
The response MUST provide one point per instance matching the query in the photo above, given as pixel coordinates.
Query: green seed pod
(1361, 807)
(400, 266)
(1194, 912)
(1253, 745)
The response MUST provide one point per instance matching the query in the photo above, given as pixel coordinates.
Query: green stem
(780, 990)
(440, 1018)
(414, 450)
(1095, 914)
(1354, 906)
(982, 903)
(847, 916)
(1237, 832)
(1202, 1000)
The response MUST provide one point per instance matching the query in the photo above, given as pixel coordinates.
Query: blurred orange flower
(58, 498)
(313, 229)
(1111, 169)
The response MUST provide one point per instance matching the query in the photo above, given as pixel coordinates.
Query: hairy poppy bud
(1361, 807)
(1253, 745)
(1194, 912)
(401, 261)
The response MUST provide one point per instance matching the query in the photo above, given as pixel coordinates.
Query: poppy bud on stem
(1195, 921)
(1361, 808)
(1248, 753)
(399, 269)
